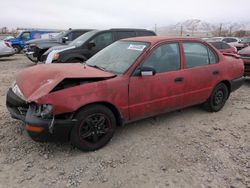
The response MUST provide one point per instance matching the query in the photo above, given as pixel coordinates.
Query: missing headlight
(45, 111)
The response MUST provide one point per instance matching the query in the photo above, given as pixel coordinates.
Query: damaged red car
(129, 80)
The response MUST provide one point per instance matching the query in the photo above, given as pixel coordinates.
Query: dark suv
(89, 44)
(34, 49)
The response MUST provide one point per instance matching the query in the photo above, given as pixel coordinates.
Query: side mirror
(64, 39)
(147, 71)
(91, 45)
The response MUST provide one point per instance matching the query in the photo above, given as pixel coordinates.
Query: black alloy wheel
(96, 127)
(217, 99)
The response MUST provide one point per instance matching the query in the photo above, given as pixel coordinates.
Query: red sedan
(129, 80)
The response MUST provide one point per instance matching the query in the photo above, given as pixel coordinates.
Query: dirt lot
(188, 148)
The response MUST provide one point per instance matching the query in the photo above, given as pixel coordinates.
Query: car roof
(128, 29)
(157, 39)
(79, 29)
(217, 42)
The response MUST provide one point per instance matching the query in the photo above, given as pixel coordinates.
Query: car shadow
(7, 59)
(247, 80)
(123, 132)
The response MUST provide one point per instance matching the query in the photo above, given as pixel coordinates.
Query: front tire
(217, 99)
(17, 49)
(95, 128)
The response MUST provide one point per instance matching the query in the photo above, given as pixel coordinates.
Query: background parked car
(245, 40)
(19, 42)
(224, 47)
(233, 41)
(245, 55)
(6, 49)
(89, 44)
(34, 49)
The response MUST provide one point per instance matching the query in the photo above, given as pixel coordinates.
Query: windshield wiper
(97, 67)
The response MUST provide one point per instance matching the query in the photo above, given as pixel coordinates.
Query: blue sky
(100, 14)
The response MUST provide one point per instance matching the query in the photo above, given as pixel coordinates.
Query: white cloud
(117, 13)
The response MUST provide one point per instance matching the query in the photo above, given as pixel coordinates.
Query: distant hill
(196, 27)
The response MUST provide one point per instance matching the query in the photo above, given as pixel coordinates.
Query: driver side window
(102, 40)
(26, 35)
(164, 58)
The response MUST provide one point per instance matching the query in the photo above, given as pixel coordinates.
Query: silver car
(6, 49)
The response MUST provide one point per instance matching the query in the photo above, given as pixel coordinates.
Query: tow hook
(51, 126)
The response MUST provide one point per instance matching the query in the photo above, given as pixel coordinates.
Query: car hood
(37, 81)
(58, 47)
(13, 40)
(49, 44)
(36, 41)
(244, 51)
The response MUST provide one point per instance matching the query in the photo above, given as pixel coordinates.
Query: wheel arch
(228, 84)
(109, 105)
(74, 56)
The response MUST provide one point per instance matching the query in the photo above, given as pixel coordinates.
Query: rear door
(201, 72)
(162, 92)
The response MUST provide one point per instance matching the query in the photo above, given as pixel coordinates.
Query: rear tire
(95, 128)
(217, 99)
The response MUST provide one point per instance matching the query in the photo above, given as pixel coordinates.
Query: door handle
(216, 72)
(179, 79)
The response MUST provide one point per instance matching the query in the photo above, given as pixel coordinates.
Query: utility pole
(230, 30)
(181, 30)
(193, 30)
(220, 29)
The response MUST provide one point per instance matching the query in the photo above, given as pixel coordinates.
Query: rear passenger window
(197, 54)
(212, 57)
(225, 46)
(124, 34)
(164, 58)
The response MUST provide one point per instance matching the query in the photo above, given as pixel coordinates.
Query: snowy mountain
(197, 27)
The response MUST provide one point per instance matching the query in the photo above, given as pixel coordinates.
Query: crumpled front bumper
(53, 128)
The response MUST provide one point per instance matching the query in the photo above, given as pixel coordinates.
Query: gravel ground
(187, 148)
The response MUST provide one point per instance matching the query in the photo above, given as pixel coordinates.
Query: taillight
(7, 44)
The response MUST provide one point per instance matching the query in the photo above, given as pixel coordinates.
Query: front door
(162, 92)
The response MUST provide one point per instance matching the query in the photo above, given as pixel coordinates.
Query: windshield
(19, 35)
(82, 39)
(118, 57)
(60, 35)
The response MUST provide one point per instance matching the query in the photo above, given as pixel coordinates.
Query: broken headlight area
(44, 111)
(71, 82)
